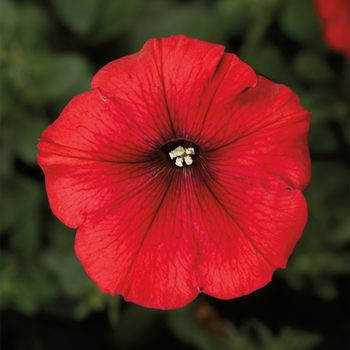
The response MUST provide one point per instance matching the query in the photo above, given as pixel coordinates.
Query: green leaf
(9, 24)
(162, 19)
(20, 195)
(327, 198)
(65, 265)
(34, 288)
(269, 61)
(256, 336)
(34, 24)
(24, 24)
(322, 139)
(235, 16)
(9, 270)
(312, 68)
(25, 287)
(346, 131)
(82, 310)
(184, 325)
(298, 21)
(327, 194)
(58, 78)
(263, 14)
(115, 17)
(78, 15)
(135, 324)
(28, 140)
(6, 104)
(59, 258)
(321, 103)
(7, 149)
(325, 288)
(113, 307)
(316, 263)
(25, 238)
(288, 339)
(342, 234)
(80, 294)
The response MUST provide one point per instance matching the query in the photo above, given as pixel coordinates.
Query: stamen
(179, 162)
(182, 155)
(178, 151)
(189, 150)
(188, 160)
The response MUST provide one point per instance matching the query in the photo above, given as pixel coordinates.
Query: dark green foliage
(49, 52)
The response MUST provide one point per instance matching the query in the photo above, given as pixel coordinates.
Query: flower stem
(263, 13)
(113, 310)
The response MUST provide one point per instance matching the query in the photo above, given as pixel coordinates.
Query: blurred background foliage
(49, 51)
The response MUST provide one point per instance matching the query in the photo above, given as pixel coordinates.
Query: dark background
(49, 52)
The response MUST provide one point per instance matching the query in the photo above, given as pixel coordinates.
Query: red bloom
(335, 18)
(182, 170)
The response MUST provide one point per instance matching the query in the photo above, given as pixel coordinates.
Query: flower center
(181, 155)
(178, 156)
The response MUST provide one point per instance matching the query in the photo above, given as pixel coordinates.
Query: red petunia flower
(335, 18)
(182, 170)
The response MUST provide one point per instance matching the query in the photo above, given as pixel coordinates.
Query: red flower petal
(251, 134)
(145, 249)
(190, 240)
(177, 78)
(158, 234)
(89, 157)
(335, 18)
(259, 226)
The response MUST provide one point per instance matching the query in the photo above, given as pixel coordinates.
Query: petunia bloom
(335, 18)
(183, 171)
